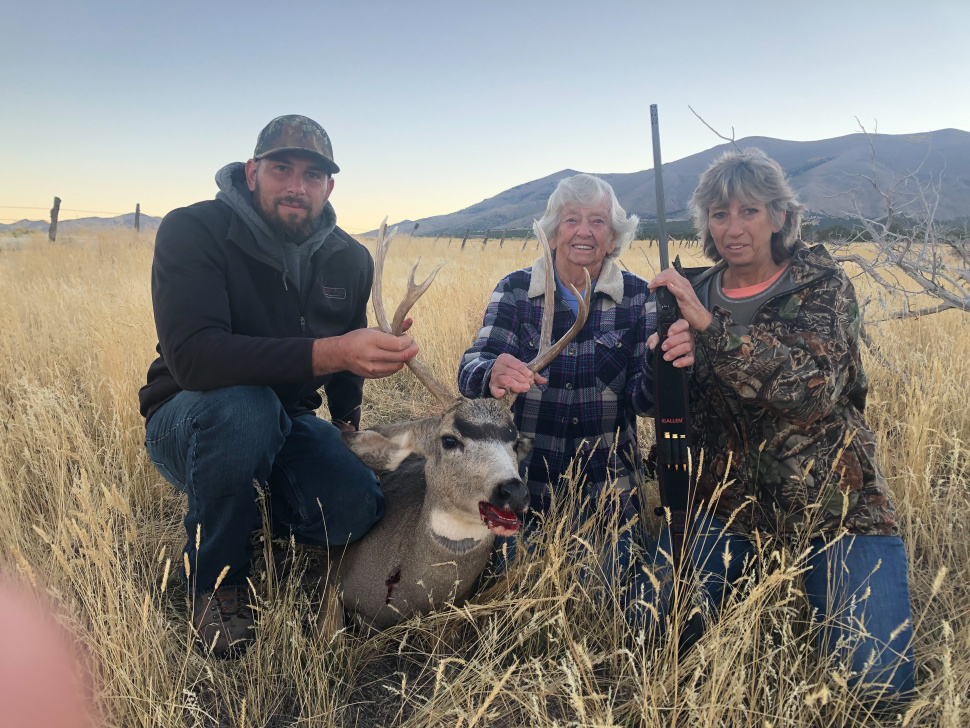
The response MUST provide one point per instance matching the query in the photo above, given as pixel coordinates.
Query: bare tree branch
(716, 132)
(919, 268)
(915, 314)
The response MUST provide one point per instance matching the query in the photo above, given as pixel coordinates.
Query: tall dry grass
(86, 519)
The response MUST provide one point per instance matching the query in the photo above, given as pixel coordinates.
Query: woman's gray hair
(750, 176)
(587, 190)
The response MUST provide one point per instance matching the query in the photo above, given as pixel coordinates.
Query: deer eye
(448, 442)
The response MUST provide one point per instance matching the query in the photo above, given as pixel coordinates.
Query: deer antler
(414, 292)
(547, 350)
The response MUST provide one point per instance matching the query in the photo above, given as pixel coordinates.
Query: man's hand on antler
(510, 373)
(369, 353)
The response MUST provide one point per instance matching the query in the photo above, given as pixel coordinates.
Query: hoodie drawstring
(286, 270)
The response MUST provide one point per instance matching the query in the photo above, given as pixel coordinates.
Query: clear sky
(434, 106)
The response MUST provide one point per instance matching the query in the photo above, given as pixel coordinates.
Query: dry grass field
(88, 524)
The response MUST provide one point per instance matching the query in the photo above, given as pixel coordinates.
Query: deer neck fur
(456, 532)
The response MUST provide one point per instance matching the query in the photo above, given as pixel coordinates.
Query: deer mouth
(500, 521)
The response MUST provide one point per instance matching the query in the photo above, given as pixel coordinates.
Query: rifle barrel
(659, 181)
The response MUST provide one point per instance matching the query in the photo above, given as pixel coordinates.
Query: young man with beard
(260, 301)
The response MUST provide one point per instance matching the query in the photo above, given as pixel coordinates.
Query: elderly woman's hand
(690, 307)
(510, 373)
(678, 347)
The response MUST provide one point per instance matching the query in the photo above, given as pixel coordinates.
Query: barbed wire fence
(55, 211)
(527, 235)
(54, 217)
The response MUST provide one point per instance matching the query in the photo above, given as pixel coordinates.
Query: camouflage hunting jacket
(778, 409)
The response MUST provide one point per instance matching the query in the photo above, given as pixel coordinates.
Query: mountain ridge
(147, 222)
(828, 175)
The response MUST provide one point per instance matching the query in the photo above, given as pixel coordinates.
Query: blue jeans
(857, 590)
(216, 446)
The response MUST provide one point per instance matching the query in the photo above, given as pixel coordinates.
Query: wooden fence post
(464, 239)
(414, 229)
(528, 236)
(502, 241)
(52, 233)
(486, 237)
(137, 217)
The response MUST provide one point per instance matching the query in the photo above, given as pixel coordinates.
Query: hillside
(148, 222)
(826, 174)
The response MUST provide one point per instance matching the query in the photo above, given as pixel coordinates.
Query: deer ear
(384, 448)
(377, 451)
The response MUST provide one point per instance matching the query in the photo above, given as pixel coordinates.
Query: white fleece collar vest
(610, 281)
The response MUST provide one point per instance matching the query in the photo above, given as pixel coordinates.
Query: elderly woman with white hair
(778, 396)
(582, 413)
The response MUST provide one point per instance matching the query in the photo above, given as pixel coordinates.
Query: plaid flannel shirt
(597, 386)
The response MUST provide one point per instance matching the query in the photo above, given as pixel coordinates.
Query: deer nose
(512, 493)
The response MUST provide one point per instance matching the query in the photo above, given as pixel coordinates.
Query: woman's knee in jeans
(885, 676)
(716, 558)
(859, 594)
(881, 676)
(504, 550)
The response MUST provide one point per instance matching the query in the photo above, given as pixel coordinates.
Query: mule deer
(450, 484)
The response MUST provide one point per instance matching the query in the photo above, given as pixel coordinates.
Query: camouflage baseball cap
(294, 132)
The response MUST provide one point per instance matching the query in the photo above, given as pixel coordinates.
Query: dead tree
(919, 266)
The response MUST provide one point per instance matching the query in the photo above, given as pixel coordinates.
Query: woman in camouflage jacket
(778, 395)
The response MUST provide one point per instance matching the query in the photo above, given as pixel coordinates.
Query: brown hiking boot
(224, 621)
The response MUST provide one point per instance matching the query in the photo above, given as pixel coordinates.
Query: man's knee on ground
(368, 509)
(347, 515)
